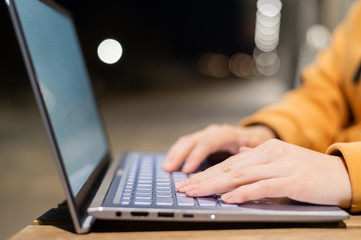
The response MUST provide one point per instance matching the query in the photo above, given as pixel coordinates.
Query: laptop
(131, 186)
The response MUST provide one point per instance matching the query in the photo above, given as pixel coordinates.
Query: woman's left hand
(275, 169)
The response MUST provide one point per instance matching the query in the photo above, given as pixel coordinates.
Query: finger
(178, 152)
(231, 180)
(209, 173)
(195, 157)
(244, 149)
(242, 160)
(271, 188)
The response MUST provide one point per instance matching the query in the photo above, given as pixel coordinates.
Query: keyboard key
(223, 204)
(144, 185)
(164, 188)
(142, 201)
(164, 201)
(180, 194)
(128, 189)
(127, 193)
(185, 201)
(179, 174)
(163, 191)
(142, 196)
(163, 180)
(125, 202)
(144, 189)
(163, 183)
(126, 197)
(207, 202)
(144, 192)
(145, 181)
(162, 195)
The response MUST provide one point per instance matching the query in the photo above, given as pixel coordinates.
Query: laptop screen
(65, 88)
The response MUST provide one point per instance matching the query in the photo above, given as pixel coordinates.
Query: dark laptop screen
(64, 84)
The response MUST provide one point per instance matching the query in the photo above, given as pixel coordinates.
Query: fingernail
(180, 186)
(228, 197)
(191, 187)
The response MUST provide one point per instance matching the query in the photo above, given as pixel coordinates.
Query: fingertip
(228, 197)
(188, 168)
(180, 186)
(166, 165)
(169, 165)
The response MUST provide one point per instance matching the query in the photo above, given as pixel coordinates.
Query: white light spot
(267, 63)
(268, 21)
(318, 36)
(7, 2)
(269, 8)
(110, 51)
(213, 216)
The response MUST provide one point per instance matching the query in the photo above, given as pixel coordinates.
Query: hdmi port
(140, 214)
(165, 214)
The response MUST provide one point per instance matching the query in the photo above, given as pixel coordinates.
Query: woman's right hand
(192, 149)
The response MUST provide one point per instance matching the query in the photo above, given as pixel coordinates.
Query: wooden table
(56, 224)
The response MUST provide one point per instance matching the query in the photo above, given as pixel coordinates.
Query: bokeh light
(241, 65)
(110, 51)
(269, 8)
(318, 36)
(267, 63)
(267, 36)
(214, 65)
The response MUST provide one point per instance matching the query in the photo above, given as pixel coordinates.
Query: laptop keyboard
(148, 184)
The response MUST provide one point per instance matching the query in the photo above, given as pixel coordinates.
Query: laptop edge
(81, 220)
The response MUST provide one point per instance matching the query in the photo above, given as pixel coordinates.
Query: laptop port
(139, 214)
(188, 215)
(165, 214)
(118, 214)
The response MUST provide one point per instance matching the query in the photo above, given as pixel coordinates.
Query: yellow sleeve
(351, 153)
(312, 115)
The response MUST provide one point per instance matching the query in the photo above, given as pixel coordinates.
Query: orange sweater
(324, 114)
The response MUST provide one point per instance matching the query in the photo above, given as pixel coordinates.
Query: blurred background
(160, 69)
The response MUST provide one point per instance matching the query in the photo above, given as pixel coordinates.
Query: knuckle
(274, 147)
(264, 186)
(272, 142)
(186, 138)
(269, 188)
(212, 127)
(226, 166)
(238, 173)
(225, 126)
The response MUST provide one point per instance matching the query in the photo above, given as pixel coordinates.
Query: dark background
(162, 41)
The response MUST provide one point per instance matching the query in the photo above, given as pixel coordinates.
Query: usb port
(165, 214)
(188, 215)
(139, 214)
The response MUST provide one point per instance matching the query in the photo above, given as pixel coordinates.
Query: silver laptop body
(131, 186)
